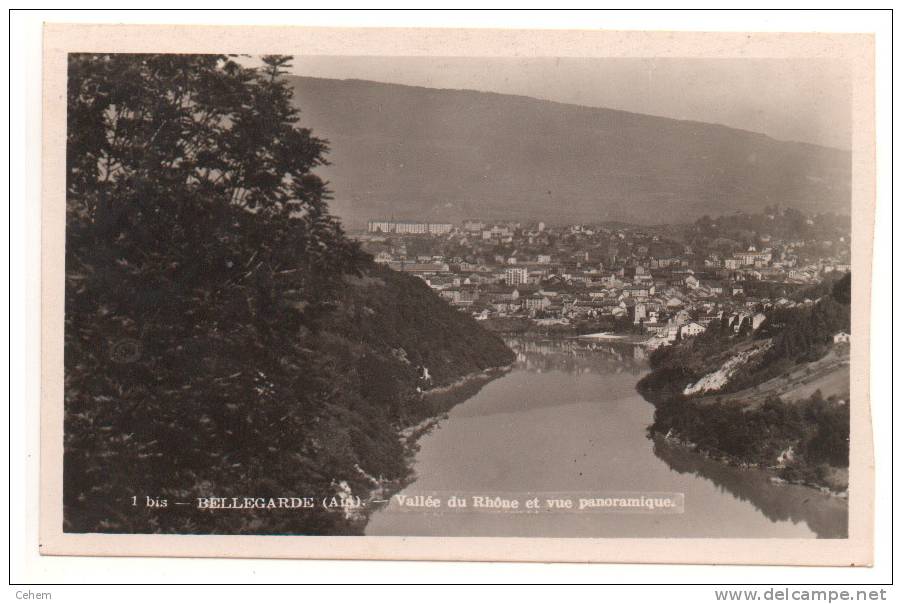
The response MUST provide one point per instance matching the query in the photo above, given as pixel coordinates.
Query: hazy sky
(806, 100)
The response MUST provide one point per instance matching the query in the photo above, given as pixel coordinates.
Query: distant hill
(430, 154)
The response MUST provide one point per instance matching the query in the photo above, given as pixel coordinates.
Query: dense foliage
(207, 348)
(739, 230)
(817, 430)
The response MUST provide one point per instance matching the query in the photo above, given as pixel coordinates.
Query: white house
(690, 329)
(757, 319)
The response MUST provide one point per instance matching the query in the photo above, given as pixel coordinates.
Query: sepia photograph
(557, 297)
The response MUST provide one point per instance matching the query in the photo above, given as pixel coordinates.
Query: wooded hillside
(223, 337)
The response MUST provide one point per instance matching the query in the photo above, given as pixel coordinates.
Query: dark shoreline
(779, 475)
(442, 399)
(741, 464)
(827, 517)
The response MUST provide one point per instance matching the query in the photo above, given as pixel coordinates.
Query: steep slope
(431, 154)
(224, 343)
(321, 417)
(778, 398)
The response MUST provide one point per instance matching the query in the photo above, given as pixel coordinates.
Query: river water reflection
(567, 418)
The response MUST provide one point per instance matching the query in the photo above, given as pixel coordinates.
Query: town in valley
(655, 284)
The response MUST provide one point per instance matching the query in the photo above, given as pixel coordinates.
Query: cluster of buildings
(633, 278)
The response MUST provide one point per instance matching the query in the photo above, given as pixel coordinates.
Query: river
(567, 419)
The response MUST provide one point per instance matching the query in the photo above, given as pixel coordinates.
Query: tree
(842, 289)
(200, 260)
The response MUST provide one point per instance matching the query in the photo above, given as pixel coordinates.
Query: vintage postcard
(457, 294)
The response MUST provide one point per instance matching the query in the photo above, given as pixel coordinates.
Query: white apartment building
(408, 227)
(516, 276)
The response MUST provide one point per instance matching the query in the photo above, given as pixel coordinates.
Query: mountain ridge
(577, 105)
(433, 154)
